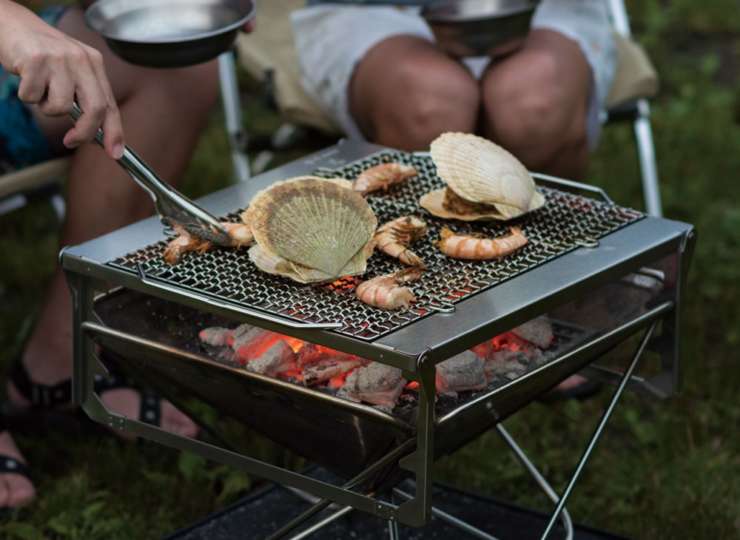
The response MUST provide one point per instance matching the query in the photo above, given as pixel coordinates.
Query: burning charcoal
(374, 383)
(216, 336)
(250, 342)
(326, 369)
(311, 353)
(278, 358)
(538, 331)
(461, 372)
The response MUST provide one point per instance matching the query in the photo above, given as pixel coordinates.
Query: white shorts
(331, 41)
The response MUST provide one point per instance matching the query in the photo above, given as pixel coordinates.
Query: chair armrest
(33, 177)
(635, 77)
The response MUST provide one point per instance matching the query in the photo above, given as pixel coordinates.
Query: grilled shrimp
(240, 234)
(461, 246)
(382, 176)
(388, 292)
(182, 243)
(394, 237)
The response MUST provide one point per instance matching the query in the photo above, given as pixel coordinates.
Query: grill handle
(175, 294)
(562, 182)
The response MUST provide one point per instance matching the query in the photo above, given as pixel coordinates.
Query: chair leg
(233, 115)
(648, 165)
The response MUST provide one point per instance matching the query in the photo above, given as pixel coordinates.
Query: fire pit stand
(602, 244)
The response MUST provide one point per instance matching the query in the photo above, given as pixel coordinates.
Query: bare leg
(536, 101)
(163, 113)
(405, 103)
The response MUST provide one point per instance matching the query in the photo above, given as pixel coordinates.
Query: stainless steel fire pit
(583, 251)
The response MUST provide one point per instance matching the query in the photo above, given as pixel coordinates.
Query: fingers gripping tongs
(172, 207)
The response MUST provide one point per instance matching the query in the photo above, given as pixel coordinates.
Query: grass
(663, 470)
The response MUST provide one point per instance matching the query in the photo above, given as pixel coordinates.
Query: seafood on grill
(475, 247)
(393, 238)
(183, 243)
(274, 264)
(382, 176)
(239, 233)
(375, 383)
(461, 372)
(388, 291)
(309, 224)
(484, 181)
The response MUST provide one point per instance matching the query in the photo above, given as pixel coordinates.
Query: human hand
(55, 70)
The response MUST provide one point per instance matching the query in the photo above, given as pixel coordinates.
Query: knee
(532, 115)
(428, 102)
(194, 89)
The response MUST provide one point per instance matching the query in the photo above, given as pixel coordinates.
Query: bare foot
(15, 490)
(571, 382)
(122, 401)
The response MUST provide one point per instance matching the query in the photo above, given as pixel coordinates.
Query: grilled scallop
(482, 173)
(317, 223)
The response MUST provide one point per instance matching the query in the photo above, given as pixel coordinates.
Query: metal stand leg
(599, 429)
(532, 470)
(393, 530)
(233, 115)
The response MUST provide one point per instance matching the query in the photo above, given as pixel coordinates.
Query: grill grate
(566, 222)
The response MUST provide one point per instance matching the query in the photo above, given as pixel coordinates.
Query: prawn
(239, 233)
(387, 291)
(463, 246)
(382, 176)
(394, 237)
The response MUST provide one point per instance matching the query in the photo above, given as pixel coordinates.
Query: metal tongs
(172, 206)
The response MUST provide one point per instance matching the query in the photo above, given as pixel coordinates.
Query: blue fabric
(21, 140)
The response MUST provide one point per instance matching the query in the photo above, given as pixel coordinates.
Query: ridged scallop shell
(480, 171)
(318, 223)
(277, 265)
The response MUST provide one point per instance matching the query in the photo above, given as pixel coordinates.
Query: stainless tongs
(172, 206)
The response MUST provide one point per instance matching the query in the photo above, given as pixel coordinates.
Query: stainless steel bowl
(169, 33)
(478, 27)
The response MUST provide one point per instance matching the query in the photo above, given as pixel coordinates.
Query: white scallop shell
(319, 224)
(480, 171)
(277, 265)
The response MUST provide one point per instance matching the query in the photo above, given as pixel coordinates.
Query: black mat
(261, 513)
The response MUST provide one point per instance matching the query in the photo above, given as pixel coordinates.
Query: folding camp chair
(269, 56)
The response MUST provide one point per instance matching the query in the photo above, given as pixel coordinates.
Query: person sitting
(377, 71)
(47, 62)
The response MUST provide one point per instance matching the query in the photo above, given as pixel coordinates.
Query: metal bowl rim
(195, 37)
(428, 14)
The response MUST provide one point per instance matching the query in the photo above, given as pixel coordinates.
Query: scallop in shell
(317, 223)
(482, 172)
(277, 265)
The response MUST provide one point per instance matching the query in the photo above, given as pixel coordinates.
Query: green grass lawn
(663, 470)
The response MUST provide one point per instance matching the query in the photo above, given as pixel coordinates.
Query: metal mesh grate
(564, 223)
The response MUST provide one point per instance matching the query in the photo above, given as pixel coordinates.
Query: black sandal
(11, 465)
(58, 396)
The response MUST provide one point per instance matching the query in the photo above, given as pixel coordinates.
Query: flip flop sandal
(10, 465)
(58, 396)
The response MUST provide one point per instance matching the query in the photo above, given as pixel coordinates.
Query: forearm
(14, 18)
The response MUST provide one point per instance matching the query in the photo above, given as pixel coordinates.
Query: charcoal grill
(583, 249)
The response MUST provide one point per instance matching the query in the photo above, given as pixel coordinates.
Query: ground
(664, 469)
